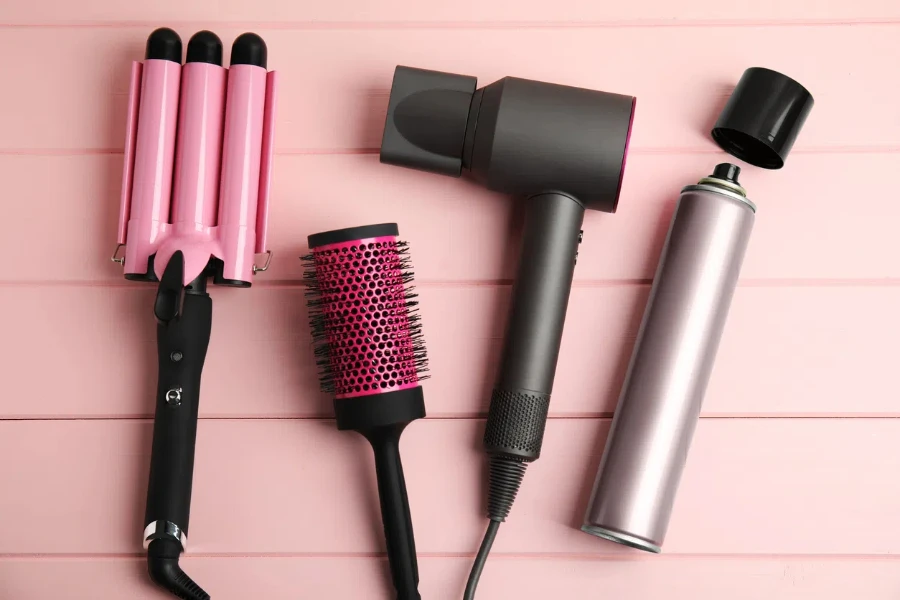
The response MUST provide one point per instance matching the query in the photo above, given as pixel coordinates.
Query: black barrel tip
(205, 47)
(249, 49)
(164, 44)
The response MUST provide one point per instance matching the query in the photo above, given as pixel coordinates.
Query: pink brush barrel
(154, 152)
(363, 298)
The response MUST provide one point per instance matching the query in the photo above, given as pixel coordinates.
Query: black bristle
(318, 321)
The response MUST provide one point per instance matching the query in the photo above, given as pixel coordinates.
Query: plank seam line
(672, 23)
(603, 416)
(791, 282)
(647, 151)
(570, 556)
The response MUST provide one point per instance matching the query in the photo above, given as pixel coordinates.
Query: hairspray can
(672, 361)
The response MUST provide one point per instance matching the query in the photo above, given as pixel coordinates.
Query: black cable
(480, 559)
(506, 475)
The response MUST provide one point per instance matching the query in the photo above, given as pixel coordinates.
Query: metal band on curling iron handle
(158, 530)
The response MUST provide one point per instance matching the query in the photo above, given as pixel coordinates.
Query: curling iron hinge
(265, 267)
(115, 256)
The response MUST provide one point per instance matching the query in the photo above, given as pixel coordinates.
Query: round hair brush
(371, 357)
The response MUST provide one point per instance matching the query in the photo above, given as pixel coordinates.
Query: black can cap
(762, 118)
(249, 49)
(204, 47)
(426, 120)
(164, 44)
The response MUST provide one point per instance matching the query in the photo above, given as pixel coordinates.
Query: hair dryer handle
(540, 295)
(395, 516)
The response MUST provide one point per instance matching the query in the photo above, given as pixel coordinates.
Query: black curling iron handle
(395, 516)
(182, 344)
(540, 294)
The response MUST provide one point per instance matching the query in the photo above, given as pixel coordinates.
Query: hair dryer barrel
(245, 110)
(660, 403)
(154, 149)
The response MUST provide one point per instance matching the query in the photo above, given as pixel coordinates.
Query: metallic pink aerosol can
(672, 361)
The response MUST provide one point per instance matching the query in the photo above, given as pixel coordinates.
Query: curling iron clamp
(194, 206)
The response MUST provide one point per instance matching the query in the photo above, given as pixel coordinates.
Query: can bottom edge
(621, 538)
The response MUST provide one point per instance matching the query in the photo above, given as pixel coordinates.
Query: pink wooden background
(791, 489)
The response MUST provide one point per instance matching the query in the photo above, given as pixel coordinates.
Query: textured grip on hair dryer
(515, 425)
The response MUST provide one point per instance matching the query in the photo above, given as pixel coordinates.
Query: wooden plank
(262, 487)
(461, 12)
(823, 217)
(281, 578)
(335, 83)
(89, 352)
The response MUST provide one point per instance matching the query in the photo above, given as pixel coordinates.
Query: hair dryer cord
(506, 476)
(480, 559)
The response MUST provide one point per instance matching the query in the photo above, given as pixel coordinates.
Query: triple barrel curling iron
(194, 207)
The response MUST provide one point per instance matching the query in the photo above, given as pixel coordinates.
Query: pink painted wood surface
(790, 487)
(795, 351)
(412, 12)
(681, 76)
(752, 486)
(290, 578)
(822, 218)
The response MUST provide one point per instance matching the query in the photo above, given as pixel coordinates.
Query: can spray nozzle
(725, 175)
(727, 172)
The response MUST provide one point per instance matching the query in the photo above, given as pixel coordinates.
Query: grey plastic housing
(559, 149)
(516, 136)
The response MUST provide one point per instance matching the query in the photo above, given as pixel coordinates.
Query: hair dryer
(562, 149)
(194, 205)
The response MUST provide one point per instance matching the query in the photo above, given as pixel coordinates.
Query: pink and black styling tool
(561, 150)
(371, 356)
(194, 207)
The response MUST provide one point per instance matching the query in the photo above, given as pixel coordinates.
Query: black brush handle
(395, 516)
(540, 295)
(381, 418)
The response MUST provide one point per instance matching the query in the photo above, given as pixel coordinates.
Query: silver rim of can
(721, 191)
(621, 538)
